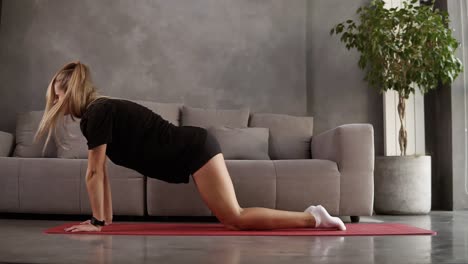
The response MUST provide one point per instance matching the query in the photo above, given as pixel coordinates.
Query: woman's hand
(86, 222)
(84, 227)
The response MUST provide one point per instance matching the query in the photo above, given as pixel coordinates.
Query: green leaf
(400, 46)
(339, 28)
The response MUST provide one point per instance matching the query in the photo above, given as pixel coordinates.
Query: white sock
(324, 219)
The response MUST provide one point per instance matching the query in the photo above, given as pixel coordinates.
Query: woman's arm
(107, 203)
(95, 177)
(95, 186)
(107, 197)
(96, 183)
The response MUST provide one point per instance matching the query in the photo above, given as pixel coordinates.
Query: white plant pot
(402, 184)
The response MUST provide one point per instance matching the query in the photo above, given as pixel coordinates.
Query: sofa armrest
(351, 146)
(7, 142)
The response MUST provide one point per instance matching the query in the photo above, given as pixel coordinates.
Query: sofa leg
(354, 219)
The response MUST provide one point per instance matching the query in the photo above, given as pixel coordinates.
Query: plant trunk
(403, 138)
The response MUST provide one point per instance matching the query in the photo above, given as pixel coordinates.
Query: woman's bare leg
(217, 191)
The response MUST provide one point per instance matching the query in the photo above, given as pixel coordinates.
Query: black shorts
(209, 150)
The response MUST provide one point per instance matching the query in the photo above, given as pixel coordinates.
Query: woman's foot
(324, 219)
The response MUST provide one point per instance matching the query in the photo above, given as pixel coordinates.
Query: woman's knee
(234, 220)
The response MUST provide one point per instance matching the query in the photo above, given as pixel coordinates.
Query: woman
(135, 137)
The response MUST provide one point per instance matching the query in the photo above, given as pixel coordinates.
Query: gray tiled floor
(22, 241)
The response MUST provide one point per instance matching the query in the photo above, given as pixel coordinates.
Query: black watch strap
(96, 222)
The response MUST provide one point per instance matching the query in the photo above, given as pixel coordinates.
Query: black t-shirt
(141, 139)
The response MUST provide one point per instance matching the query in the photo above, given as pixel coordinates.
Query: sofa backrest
(288, 136)
(206, 117)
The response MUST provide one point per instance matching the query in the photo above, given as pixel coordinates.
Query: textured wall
(336, 91)
(271, 55)
(206, 53)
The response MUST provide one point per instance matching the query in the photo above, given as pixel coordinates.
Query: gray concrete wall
(273, 56)
(336, 91)
(205, 53)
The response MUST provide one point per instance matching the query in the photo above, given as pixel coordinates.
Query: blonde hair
(79, 92)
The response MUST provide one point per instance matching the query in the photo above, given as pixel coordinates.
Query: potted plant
(400, 49)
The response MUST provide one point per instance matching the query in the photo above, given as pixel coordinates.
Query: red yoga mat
(218, 229)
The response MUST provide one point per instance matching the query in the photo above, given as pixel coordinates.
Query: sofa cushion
(7, 143)
(27, 124)
(249, 143)
(289, 135)
(254, 182)
(49, 186)
(9, 181)
(74, 143)
(168, 111)
(161, 201)
(205, 117)
(301, 182)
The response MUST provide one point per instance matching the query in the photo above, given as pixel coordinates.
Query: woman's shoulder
(101, 101)
(108, 100)
(97, 106)
(110, 104)
(98, 111)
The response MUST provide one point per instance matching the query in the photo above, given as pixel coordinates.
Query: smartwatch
(96, 222)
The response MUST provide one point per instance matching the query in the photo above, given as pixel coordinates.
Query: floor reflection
(22, 241)
(100, 247)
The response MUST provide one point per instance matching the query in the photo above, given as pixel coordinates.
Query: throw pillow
(250, 143)
(289, 135)
(70, 136)
(27, 124)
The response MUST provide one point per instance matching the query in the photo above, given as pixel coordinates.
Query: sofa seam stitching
(276, 186)
(19, 173)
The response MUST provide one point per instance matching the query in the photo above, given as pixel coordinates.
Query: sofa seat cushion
(301, 183)
(168, 199)
(248, 143)
(205, 117)
(58, 186)
(9, 198)
(254, 182)
(49, 185)
(289, 135)
(281, 184)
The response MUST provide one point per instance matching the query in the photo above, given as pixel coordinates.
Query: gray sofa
(281, 165)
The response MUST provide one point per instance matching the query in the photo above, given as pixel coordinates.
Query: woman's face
(59, 94)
